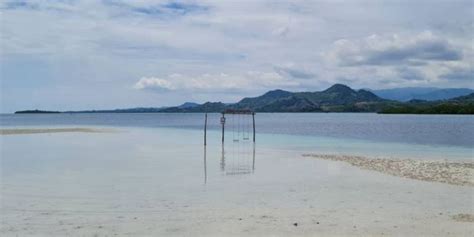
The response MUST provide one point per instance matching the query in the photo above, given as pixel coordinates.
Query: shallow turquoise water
(160, 180)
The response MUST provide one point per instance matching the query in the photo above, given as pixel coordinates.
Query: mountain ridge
(458, 105)
(405, 94)
(337, 98)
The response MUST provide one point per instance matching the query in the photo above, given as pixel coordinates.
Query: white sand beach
(153, 182)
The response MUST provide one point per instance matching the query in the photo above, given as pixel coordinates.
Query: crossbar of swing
(238, 111)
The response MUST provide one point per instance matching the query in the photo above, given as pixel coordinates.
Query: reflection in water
(222, 159)
(239, 160)
(205, 164)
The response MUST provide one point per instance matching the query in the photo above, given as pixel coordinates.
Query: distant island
(337, 98)
(36, 112)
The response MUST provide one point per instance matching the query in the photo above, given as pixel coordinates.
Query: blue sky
(73, 55)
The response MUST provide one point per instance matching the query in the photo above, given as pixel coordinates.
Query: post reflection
(239, 159)
(205, 164)
(222, 158)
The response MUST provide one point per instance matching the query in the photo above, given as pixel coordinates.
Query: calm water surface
(155, 176)
(445, 130)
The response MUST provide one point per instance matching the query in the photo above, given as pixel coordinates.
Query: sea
(152, 173)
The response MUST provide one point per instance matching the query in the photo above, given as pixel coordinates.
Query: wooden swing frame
(223, 120)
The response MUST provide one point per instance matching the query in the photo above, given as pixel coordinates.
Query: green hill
(458, 105)
(337, 98)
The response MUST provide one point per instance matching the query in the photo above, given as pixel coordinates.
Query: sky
(82, 54)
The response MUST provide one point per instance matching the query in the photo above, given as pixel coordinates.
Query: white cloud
(251, 80)
(393, 50)
(210, 46)
(153, 83)
(396, 60)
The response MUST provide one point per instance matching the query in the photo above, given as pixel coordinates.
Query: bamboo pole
(223, 124)
(205, 130)
(253, 118)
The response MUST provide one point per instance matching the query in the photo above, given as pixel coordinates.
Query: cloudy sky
(72, 55)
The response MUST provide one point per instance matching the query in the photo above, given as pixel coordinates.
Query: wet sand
(450, 172)
(17, 131)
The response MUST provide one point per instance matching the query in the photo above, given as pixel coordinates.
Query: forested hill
(458, 105)
(337, 98)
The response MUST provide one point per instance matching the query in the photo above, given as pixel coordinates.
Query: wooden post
(253, 118)
(223, 125)
(205, 130)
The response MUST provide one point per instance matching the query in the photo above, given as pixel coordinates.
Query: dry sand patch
(450, 172)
